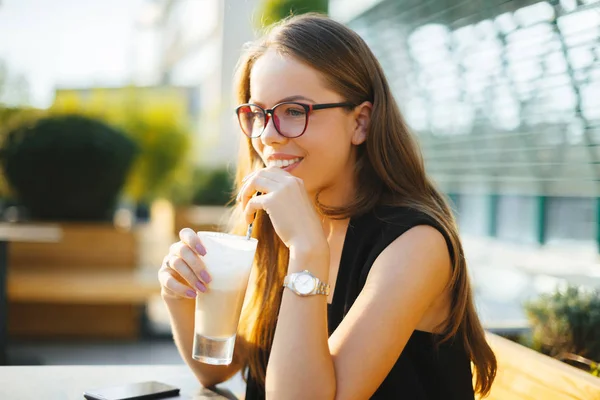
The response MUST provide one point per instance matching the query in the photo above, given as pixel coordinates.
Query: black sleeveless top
(423, 371)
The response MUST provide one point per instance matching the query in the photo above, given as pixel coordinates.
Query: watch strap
(322, 287)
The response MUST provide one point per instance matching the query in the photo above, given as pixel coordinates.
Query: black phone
(133, 391)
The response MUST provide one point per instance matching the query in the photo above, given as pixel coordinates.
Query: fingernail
(190, 293)
(201, 287)
(201, 250)
(205, 276)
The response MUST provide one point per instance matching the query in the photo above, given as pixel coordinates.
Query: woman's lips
(291, 167)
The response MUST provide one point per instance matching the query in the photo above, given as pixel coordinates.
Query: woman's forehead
(275, 76)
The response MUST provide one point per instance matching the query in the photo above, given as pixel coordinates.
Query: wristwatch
(305, 284)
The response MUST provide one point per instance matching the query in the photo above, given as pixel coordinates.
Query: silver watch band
(322, 288)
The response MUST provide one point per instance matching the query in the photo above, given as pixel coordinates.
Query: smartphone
(133, 391)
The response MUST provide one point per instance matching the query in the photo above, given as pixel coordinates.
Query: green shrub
(566, 321)
(67, 167)
(11, 118)
(212, 187)
(157, 120)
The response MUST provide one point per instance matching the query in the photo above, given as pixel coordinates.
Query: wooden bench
(85, 285)
(87, 304)
(81, 246)
(81, 287)
(526, 374)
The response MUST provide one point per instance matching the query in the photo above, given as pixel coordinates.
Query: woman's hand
(289, 207)
(182, 273)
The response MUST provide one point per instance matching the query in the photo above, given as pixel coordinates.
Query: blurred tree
(158, 125)
(13, 90)
(209, 186)
(164, 155)
(11, 118)
(271, 11)
(212, 187)
(67, 167)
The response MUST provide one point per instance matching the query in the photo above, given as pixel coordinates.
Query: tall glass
(228, 260)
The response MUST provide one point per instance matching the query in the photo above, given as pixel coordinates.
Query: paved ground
(505, 275)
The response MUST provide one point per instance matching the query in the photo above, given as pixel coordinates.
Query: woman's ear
(362, 119)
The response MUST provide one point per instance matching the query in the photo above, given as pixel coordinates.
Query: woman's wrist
(313, 258)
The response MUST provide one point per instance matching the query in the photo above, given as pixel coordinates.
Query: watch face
(304, 283)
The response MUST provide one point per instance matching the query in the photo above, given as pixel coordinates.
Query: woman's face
(326, 149)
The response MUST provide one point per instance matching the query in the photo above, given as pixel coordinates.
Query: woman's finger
(171, 286)
(183, 269)
(189, 237)
(273, 173)
(257, 183)
(194, 262)
(166, 266)
(250, 175)
(255, 204)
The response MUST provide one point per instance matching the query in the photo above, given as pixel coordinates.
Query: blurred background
(117, 130)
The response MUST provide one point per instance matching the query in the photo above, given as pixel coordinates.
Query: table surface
(69, 382)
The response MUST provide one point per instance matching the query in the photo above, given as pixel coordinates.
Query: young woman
(345, 197)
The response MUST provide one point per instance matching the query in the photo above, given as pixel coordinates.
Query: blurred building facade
(198, 43)
(505, 99)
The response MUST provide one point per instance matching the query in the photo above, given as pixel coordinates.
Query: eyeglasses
(290, 118)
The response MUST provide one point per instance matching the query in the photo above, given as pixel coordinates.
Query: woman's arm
(403, 283)
(300, 365)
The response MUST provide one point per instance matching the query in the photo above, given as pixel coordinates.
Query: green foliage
(67, 167)
(10, 119)
(212, 187)
(157, 122)
(566, 321)
(271, 11)
(163, 162)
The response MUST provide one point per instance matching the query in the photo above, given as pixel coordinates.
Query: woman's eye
(295, 112)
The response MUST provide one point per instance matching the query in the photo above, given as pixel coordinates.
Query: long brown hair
(389, 170)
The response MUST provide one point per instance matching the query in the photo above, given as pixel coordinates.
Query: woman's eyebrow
(289, 98)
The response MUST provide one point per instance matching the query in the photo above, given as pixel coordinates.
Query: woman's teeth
(284, 163)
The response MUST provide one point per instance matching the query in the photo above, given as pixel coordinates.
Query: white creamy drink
(218, 316)
(228, 260)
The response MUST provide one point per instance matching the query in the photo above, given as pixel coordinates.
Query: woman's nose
(270, 135)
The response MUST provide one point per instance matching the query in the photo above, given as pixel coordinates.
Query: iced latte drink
(228, 260)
